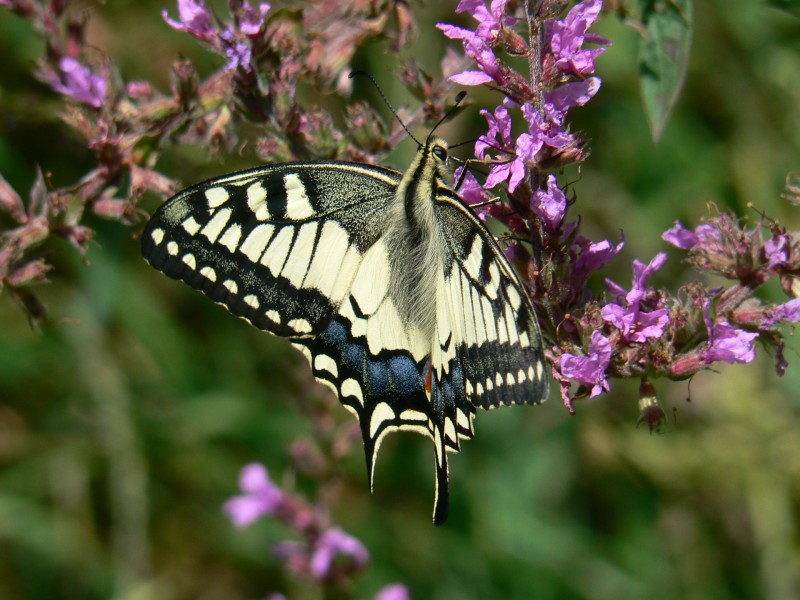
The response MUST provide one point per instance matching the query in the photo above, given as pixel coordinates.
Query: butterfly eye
(440, 153)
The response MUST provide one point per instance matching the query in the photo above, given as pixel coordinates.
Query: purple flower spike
(550, 204)
(78, 82)
(331, 543)
(393, 591)
(194, 18)
(261, 496)
(568, 36)
(590, 370)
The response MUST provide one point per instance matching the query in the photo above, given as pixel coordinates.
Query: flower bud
(650, 410)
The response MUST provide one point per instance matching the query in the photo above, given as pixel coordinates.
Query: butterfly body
(394, 291)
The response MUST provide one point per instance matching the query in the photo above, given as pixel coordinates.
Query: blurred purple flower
(790, 311)
(275, 596)
(335, 542)
(706, 237)
(252, 21)
(261, 496)
(194, 18)
(725, 342)
(550, 205)
(776, 251)
(233, 42)
(589, 370)
(393, 591)
(78, 82)
(238, 52)
(680, 237)
(567, 37)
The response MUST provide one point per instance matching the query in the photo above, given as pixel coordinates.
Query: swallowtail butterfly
(393, 290)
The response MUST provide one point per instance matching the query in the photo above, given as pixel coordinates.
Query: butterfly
(395, 292)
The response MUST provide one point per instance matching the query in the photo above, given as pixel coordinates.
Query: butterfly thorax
(413, 238)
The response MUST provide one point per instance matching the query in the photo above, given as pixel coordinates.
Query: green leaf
(790, 6)
(666, 28)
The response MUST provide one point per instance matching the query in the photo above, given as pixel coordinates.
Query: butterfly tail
(441, 502)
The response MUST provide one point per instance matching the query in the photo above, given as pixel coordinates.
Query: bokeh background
(123, 425)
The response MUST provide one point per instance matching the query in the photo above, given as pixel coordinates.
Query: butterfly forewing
(278, 246)
(320, 253)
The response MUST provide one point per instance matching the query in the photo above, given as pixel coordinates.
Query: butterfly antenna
(459, 97)
(385, 99)
(459, 144)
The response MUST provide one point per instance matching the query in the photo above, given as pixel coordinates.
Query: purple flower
(590, 370)
(680, 237)
(251, 22)
(626, 315)
(238, 52)
(790, 311)
(592, 256)
(730, 344)
(78, 82)
(477, 44)
(233, 41)
(194, 18)
(567, 37)
(512, 170)
(261, 496)
(573, 93)
(472, 192)
(335, 542)
(775, 251)
(725, 342)
(544, 130)
(491, 21)
(499, 124)
(547, 129)
(393, 591)
(550, 205)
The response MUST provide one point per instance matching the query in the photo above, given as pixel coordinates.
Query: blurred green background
(124, 425)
